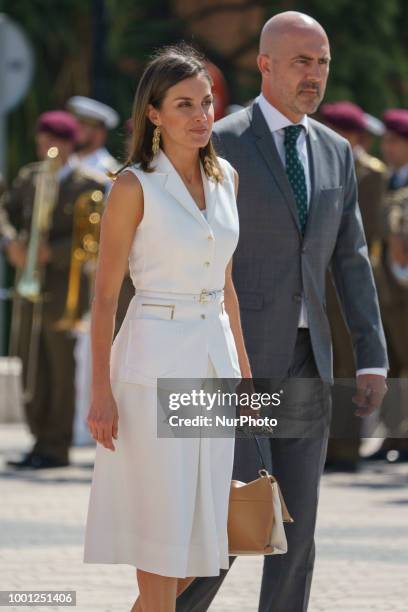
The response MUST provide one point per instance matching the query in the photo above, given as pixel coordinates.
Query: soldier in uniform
(51, 409)
(95, 119)
(350, 121)
(391, 272)
(375, 128)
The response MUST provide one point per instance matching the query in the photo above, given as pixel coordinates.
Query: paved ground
(362, 541)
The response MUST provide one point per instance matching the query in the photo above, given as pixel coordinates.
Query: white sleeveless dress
(160, 504)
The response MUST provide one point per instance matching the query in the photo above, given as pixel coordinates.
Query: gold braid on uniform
(396, 202)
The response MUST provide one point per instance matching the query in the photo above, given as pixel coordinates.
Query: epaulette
(110, 163)
(28, 170)
(373, 163)
(92, 174)
(397, 197)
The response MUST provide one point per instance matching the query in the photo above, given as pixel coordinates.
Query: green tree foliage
(369, 47)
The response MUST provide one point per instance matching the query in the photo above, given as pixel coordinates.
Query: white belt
(204, 297)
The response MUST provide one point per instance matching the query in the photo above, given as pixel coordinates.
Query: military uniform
(393, 296)
(393, 292)
(345, 442)
(392, 283)
(94, 115)
(371, 173)
(90, 111)
(50, 412)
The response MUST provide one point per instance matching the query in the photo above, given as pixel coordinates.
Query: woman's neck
(186, 162)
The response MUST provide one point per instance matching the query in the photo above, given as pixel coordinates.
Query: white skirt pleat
(159, 504)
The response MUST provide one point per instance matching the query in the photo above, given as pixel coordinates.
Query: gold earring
(156, 140)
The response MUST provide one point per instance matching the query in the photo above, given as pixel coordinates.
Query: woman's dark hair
(167, 67)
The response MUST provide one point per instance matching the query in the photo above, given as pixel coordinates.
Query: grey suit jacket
(274, 266)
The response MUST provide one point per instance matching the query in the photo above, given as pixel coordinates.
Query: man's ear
(153, 114)
(263, 62)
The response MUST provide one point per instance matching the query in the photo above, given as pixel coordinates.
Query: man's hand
(371, 389)
(16, 252)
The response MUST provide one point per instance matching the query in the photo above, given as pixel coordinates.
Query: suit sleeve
(219, 144)
(354, 280)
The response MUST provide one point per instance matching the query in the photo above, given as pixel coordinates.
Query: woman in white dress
(160, 503)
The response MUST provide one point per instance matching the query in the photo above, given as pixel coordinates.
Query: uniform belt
(204, 297)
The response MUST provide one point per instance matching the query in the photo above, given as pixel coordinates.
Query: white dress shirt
(100, 160)
(67, 168)
(276, 123)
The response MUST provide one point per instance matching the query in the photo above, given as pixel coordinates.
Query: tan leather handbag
(256, 515)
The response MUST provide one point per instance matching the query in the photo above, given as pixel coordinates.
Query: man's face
(395, 149)
(295, 72)
(90, 136)
(45, 141)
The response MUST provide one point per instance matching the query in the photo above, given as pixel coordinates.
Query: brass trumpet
(87, 216)
(29, 283)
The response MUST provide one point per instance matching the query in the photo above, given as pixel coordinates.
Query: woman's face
(186, 115)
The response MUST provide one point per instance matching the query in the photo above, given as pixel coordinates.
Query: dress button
(203, 316)
(207, 263)
(304, 249)
(210, 237)
(297, 297)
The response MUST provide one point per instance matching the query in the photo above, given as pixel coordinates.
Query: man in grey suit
(298, 215)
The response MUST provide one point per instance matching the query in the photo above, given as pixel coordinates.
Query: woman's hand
(103, 420)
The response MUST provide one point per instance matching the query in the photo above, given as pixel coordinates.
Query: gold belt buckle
(203, 295)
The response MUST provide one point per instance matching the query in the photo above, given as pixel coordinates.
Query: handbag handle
(258, 446)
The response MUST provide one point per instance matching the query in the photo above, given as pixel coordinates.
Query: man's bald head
(294, 57)
(290, 23)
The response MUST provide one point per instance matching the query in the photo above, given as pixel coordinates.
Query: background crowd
(87, 62)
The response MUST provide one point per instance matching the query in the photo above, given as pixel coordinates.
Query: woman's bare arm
(122, 215)
(232, 308)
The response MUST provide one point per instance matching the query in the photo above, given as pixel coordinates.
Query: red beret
(58, 123)
(396, 120)
(344, 115)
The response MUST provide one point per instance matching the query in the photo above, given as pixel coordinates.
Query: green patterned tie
(296, 172)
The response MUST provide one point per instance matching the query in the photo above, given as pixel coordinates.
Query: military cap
(58, 123)
(93, 111)
(373, 125)
(396, 120)
(344, 116)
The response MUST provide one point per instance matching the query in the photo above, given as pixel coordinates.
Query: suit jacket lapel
(174, 184)
(313, 155)
(268, 150)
